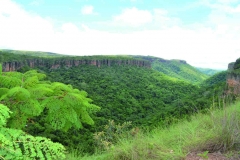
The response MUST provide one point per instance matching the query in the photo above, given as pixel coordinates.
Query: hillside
(127, 88)
(31, 53)
(125, 85)
(202, 137)
(129, 94)
(126, 93)
(216, 79)
(176, 68)
(208, 71)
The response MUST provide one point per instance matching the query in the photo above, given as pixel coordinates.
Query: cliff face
(233, 78)
(55, 64)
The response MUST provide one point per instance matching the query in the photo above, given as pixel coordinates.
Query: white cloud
(211, 45)
(86, 10)
(133, 17)
(22, 30)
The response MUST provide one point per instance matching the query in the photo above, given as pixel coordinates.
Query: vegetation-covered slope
(127, 93)
(176, 68)
(216, 79)
(214, 135)
(126, 89)
(208, 71)
(31, 53)
(6, 56)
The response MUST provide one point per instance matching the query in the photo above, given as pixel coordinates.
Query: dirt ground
(212, 156)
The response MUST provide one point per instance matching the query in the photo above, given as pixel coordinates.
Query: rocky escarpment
(58, 63)
(233, 77)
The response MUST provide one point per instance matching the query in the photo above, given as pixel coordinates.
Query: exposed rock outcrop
(56, 63)
(231, 66)
(233, 78)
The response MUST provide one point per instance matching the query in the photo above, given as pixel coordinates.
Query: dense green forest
(130, 97)
(218, 78)
(140, 95)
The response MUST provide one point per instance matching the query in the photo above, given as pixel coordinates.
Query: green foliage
(31, 98)
(126, 93)
(111, 133)
(9, 82)
(16, 144)
(0, 67)
(143, 96)
(4, 115)
(28, 95)
(217, 130)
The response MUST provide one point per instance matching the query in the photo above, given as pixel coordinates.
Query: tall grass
(216, 131)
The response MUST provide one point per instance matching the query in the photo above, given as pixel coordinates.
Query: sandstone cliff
(57, 63)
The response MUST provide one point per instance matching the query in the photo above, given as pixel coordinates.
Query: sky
(205, 33)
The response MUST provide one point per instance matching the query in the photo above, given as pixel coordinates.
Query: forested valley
(51, 108)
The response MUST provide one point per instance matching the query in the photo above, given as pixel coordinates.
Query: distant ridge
(208, 71)
(176, 68)
(15, 60)
(33, 53)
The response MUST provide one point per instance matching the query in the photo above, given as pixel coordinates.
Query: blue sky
(205, 33)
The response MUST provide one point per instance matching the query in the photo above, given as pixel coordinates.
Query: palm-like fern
(27, 95)
(15, 144)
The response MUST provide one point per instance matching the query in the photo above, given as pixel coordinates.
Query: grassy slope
(176, 68)
(216, 131)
